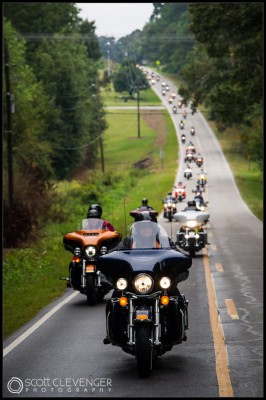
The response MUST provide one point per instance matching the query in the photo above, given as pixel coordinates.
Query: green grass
(146, 97)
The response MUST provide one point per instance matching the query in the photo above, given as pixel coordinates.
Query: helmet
(191, 203)
(93, 214)
(95, 207)
(144, 201)
(145, 216)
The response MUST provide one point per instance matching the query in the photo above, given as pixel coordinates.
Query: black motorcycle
(145, 316)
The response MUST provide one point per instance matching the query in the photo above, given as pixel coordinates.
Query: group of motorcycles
(146, 314)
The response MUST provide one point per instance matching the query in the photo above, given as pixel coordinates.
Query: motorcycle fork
(156, 336)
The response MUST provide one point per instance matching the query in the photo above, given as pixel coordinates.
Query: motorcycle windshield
(92, 224)
(147, 235)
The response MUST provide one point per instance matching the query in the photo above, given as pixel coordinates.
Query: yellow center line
(230, 305)
(221, 356)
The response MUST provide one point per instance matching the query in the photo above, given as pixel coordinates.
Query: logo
(15, 385)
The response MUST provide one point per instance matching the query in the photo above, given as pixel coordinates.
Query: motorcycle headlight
(121, 284)
(169, 204)
(103, 250)
(90, 251)
(77, 251)
(165, 282)
(143, 283)
(202, 208)
(191, 224)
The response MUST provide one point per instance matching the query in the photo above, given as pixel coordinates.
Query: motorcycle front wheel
(91, 290)
(143, 350)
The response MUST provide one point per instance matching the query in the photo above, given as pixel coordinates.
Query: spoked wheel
(91, 290)
(143, 350)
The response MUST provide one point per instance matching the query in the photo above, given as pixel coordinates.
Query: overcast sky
(116, 19)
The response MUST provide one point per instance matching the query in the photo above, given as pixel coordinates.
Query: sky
(116, 19)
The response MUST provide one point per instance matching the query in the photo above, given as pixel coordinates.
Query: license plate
(142, 314)
(191, 234)
(90, 268)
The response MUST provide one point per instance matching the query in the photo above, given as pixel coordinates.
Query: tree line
(216, 49)
(52, 69)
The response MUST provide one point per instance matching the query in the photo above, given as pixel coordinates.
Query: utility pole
(9, 126)
(99, 123)
(138, 115)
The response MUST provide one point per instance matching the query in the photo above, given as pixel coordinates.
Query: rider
(147, 228)
(144, 205)
(95, 211)
(169, 198)
(191, 206)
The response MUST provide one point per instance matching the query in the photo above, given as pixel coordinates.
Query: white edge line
(20, 339)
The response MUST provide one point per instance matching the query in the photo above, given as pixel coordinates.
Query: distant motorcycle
(187, 173)
(175, 109)
(169, 208)
(86, 245)
(181, 125)
(191, 236)
(202, 180)
(199, 161)
(183, 138)
(192, 131)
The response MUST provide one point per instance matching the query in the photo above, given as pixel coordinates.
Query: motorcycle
(199, 161)
(174, 109)
(191, 237)
(169, 208)
(200, 203)
(189, 157)
(181, 125)
(179, 103)
(202, 180)
(145, 317)
(184, 114)
(192, 131)
(187, 173)
(183, 138)
(134, 213)
(87, 245)
(180, 193)
(191, 149)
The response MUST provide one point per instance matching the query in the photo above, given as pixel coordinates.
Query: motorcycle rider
(144, 205)
(95, 211)
(191, 206)
(147, 230)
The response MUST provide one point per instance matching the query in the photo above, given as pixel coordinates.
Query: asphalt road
(62, 354)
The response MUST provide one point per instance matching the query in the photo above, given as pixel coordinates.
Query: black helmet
(191, 203)
(95, 207)
(144, 201)
(145, 216)
(93, 214)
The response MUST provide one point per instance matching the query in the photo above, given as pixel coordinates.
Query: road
(62, 355)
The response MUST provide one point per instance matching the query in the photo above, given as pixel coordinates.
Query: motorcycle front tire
(144, 352)
(91, 290)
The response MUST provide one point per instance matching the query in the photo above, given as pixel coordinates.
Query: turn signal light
(123, 301)
(76, 259)
(165, 300)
